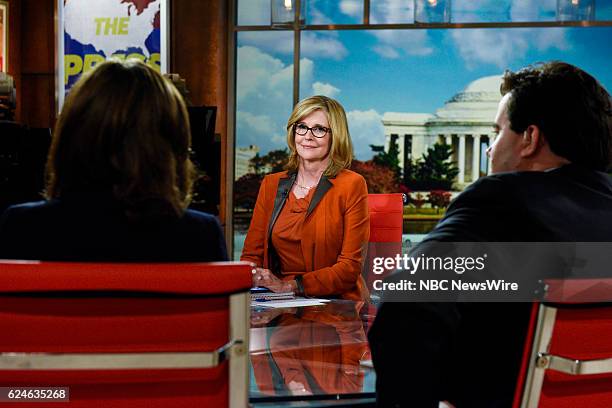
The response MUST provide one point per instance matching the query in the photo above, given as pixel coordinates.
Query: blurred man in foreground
(549, 184)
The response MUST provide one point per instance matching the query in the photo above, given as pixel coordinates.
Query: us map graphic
(96, 30)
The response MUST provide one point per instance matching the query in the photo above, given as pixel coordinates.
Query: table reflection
(314, 350)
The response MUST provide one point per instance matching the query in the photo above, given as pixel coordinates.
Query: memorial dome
(476, 103)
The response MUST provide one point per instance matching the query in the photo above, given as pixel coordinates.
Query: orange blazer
(335, 233)
(322, 345)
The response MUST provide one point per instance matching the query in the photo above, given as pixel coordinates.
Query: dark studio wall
(198, 45)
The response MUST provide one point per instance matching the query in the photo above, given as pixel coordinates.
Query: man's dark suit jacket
(93, 227)
(470, 353)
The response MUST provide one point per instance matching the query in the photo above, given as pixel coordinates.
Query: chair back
(570, 359)
(386, 224)
(127, 335)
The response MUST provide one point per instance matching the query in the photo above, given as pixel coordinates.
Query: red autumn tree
(246, 189)
(380, 179)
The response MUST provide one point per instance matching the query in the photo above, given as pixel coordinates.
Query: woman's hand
(265, 277)
(261, 318)
(297, 388)
(258, 276)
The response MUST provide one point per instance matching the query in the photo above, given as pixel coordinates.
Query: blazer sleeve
(253, 250)
(344, 274)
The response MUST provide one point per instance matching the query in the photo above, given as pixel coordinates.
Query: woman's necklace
(307, 188)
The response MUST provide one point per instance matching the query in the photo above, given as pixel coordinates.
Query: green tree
(434, 171)
(438, 165)
(388, 159)
(257, 164)
(411, 169)
(272, 162)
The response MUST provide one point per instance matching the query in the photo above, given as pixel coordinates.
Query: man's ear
(533, 139)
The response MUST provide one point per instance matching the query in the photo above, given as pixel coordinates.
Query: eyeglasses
(317, 131)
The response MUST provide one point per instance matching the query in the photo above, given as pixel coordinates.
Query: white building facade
(243, 160)
(465, 122)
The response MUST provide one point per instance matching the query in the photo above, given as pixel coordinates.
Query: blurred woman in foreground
(119, 178)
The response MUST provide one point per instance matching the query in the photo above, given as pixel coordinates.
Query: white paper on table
(297, 302)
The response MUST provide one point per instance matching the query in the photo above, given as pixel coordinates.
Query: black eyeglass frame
(294, 126)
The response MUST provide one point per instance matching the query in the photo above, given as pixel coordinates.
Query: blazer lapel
(322, 188)
(284, 187)
(313, 238)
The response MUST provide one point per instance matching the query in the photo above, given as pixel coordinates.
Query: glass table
(315, 356)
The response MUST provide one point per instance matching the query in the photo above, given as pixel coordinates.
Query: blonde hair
(341, 147)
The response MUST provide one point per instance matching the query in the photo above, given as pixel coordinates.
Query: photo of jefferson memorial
(465, 122)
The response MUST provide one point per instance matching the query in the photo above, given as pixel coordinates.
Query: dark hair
(571, 108)
(124, 129)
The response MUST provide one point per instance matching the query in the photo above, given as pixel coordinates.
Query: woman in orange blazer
(310, 226)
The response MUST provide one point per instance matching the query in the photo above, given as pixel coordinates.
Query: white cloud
(501, 47)
(306, 73)
(261, 124)
(551, 38)
(316, 16)
(353, 8)
(321, 88)
(273, 42)
(266, 78)
(326, 11)
(316, 46)
(262, 130)
(529, 10)
(264, 90)
(264, 102)
(507, 10)
(254, 12)
(366, 128)
(393, 43)
(475, 5)
(392, 11)
(386, 51)
(255, 69)
(411, 42)
(313, 45)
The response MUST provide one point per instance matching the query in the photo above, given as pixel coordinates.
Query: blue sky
(424, 82)
(373, 72)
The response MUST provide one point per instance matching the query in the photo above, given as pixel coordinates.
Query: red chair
(569, 358)
(386, 225)
(127, 335)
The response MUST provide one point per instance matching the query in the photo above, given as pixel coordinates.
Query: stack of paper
(268, 296)
(295, 302)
